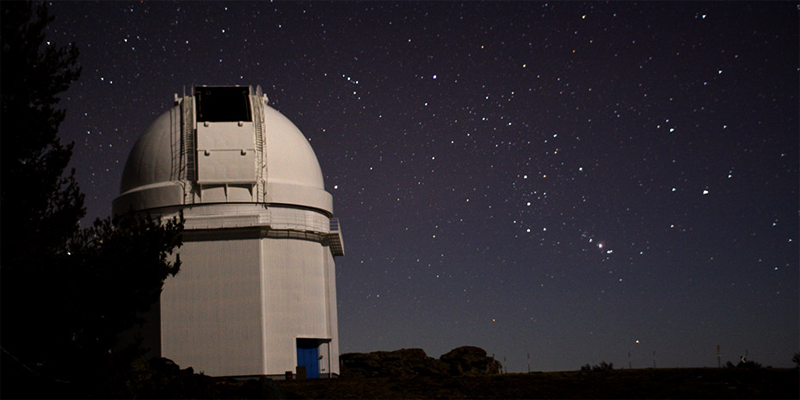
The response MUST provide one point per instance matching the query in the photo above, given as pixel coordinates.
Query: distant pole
(505, 369)
(529, 363)
(719, 358)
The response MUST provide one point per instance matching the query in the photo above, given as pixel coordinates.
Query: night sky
(574, 181)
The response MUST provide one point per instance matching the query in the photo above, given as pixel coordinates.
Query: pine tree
(41, 206)
(67, 293)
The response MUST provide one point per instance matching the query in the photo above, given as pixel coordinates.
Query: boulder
(470, 360)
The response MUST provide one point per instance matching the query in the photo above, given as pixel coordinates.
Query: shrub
(603, 366)
(743, 364)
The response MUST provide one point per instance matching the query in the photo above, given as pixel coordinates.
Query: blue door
(308, 356)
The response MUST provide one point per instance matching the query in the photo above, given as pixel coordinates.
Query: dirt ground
(677, 383)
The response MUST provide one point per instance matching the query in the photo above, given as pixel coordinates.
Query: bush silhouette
(603, 366)
(743, 364)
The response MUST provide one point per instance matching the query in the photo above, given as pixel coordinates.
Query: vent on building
(223, 104)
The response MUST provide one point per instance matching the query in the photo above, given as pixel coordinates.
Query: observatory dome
(256, 295)
(222, 145)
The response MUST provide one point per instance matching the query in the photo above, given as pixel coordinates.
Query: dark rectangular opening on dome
(223, 104)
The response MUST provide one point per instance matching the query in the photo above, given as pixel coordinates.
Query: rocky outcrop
(399, 363)
(470, 360)
(467, 360)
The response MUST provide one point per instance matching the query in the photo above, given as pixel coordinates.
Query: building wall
(333, 346)
(253, 280)
(211, 313)
(296, 296)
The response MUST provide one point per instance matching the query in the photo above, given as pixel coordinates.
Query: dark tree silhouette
(41, 207)
(67, 293)
(124, 264)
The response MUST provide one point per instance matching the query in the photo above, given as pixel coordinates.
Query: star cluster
(576, 181)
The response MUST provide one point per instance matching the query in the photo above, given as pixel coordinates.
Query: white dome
(150, 160)
(182, 159)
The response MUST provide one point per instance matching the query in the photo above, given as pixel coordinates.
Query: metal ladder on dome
(261, 165)
(189, 173)
(176, 150)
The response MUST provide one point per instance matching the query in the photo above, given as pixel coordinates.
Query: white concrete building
(256, 293)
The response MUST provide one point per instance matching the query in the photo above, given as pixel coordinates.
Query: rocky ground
(463, 373)
(468, 373)
(677, 383)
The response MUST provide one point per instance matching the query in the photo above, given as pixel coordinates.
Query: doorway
(308, 356)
